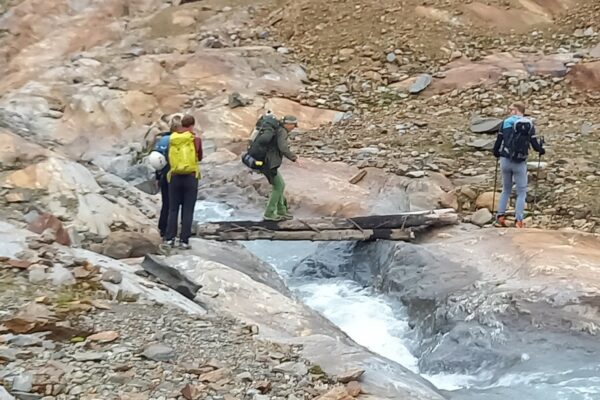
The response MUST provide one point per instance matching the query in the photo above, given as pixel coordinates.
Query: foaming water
(367, 318)
(381, 325)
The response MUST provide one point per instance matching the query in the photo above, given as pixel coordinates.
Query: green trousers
(277, 204)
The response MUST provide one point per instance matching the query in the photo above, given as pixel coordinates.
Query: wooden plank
(398, 221)
(326, 235)
(358, 177)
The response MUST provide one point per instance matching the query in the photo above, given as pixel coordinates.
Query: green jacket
(278, 149)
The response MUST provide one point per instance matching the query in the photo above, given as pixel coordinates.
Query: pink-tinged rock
(585, 76)
(48, 221)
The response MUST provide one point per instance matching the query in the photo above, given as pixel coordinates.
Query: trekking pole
(537, 180)
(495, 182)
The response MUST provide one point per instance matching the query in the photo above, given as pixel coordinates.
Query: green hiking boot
(273, 218)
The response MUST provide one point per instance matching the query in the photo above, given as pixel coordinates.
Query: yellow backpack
(182, 155)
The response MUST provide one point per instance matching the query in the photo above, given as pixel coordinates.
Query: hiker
(184, 154)
(162, 146)
(515, 136)
(276, 149)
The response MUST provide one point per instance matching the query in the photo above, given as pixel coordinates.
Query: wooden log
(398, 221)
(326, 235)
(358, 177)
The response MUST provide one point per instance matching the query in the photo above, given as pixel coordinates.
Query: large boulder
(585, 76)
(131, 244)
(69, 191)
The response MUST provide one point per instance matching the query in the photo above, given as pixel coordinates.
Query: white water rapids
(381, 325)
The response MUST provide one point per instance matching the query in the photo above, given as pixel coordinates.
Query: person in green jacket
(277, 206)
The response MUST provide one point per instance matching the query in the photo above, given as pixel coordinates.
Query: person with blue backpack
(515, 137)
(162, 146)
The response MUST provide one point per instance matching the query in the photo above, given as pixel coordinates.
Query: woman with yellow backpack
(184, 154)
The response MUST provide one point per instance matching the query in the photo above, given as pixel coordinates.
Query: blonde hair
(520, 107)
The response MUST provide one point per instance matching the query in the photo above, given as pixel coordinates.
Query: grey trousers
(513, 172)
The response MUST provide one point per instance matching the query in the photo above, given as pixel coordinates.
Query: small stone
(244, 376)
(26, 396)
(37, 274)
(391, 57)
(23, 382)
(113, 276)
(415, 174)
(291, 368)
(159, 352)
(104, 337)
(215, 376)
(354, 388)
(337, 393)
(90, 356)
(25, 340)
(420, 84)
(193, 392)
(351, 375)
(283, 50)
(481, 217)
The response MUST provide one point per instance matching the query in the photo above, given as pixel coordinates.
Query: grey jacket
(279, 149)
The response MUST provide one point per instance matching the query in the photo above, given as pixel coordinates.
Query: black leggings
(183, 192)
(164, 209)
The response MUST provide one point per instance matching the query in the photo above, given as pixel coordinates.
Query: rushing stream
(381, 324)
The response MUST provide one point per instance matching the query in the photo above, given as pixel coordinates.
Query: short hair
(520, 107)
(175, 122)
(188, 121)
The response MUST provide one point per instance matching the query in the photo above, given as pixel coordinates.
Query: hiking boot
(274, 218)
(184, 246)
(500, 222)
(520, 224)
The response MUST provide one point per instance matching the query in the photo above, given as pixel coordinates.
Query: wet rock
(171, 276)
(159, 352)
(351, 375)
(121, 245)
(113, 276)
(481, 217)
(420, 84)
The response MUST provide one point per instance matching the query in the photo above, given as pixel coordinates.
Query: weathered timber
(327, 235)
(391, 227)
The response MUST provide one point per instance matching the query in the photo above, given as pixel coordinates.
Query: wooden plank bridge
(390, 227)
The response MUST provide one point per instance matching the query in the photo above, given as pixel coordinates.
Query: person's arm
(198, 144)
(282, 144)
(537, 146)
(498, 144)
